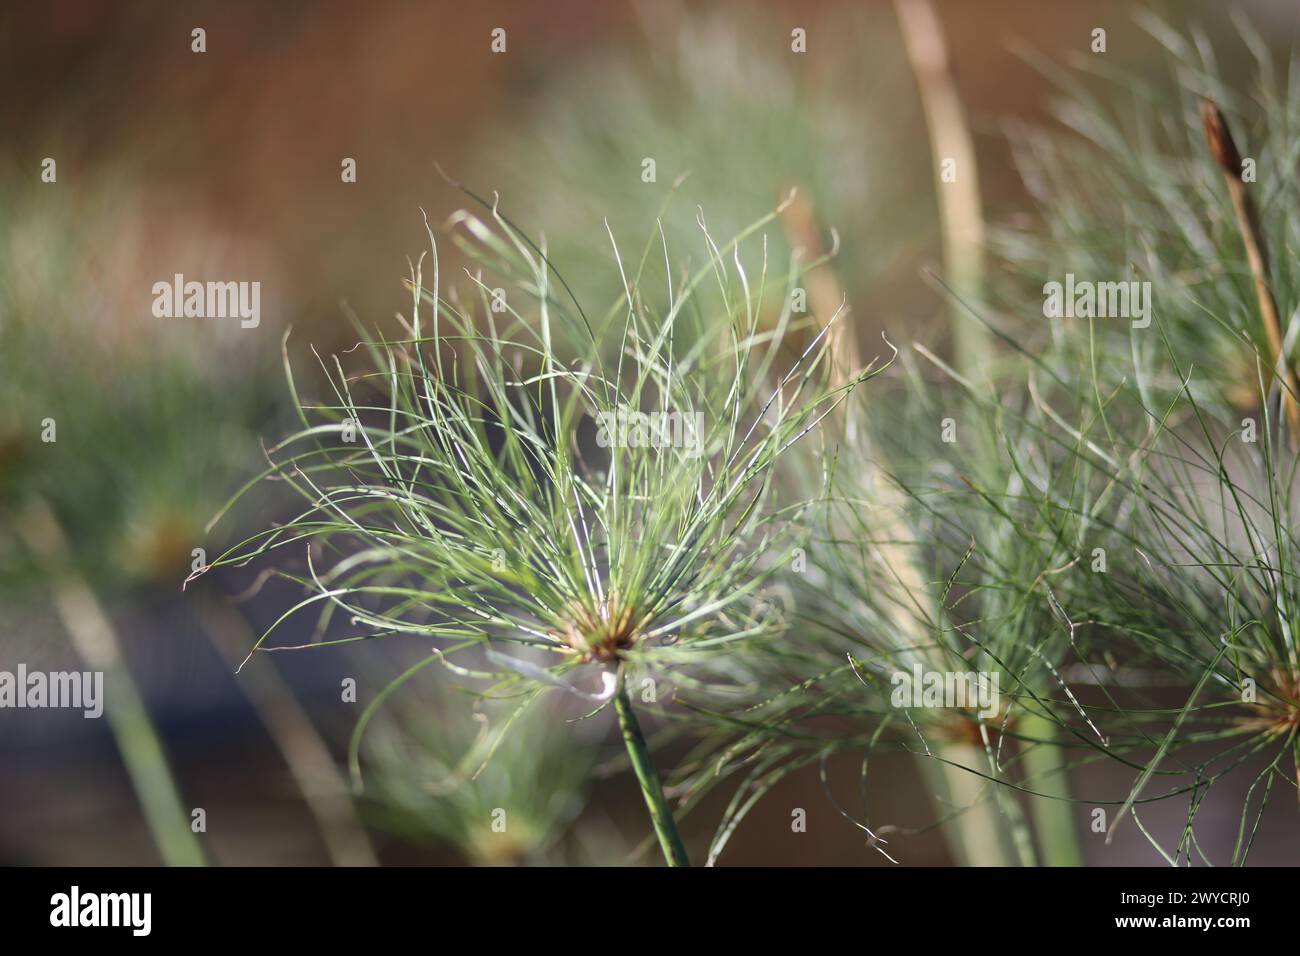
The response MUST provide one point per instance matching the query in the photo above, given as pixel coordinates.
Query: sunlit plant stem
(670, 841)
(96, 643)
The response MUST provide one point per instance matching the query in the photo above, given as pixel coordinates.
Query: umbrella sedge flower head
(1183, 435)
(456, 491)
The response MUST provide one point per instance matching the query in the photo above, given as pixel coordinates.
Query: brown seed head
(601, 635)
(1278, 713)
(1220, 139)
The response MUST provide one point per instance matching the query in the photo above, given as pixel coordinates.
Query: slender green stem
(1053, 813)
(146, 764)
(977, 834)
(97, 644)
(670, 841)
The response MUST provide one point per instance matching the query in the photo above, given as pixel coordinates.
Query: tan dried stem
(960, 210)
(825, 292)
(1224, 150)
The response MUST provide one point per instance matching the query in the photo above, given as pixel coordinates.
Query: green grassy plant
(478, 503)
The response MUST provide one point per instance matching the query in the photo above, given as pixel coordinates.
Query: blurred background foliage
(731, 132)
(152, 419)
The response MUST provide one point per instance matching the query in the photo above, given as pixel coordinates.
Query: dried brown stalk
(825, 293)
(961, 212)
(1225, 153)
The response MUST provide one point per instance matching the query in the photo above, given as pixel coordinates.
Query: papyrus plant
(1174, 580)
(730, 118)
(471, 488)
(915, 577)
(1148, 470)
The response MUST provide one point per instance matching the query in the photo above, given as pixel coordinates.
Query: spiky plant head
(573, 514)
(928, 567)
(1181, 427)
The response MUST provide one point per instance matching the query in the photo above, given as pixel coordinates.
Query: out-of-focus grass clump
(732, 120)
(130, 427)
